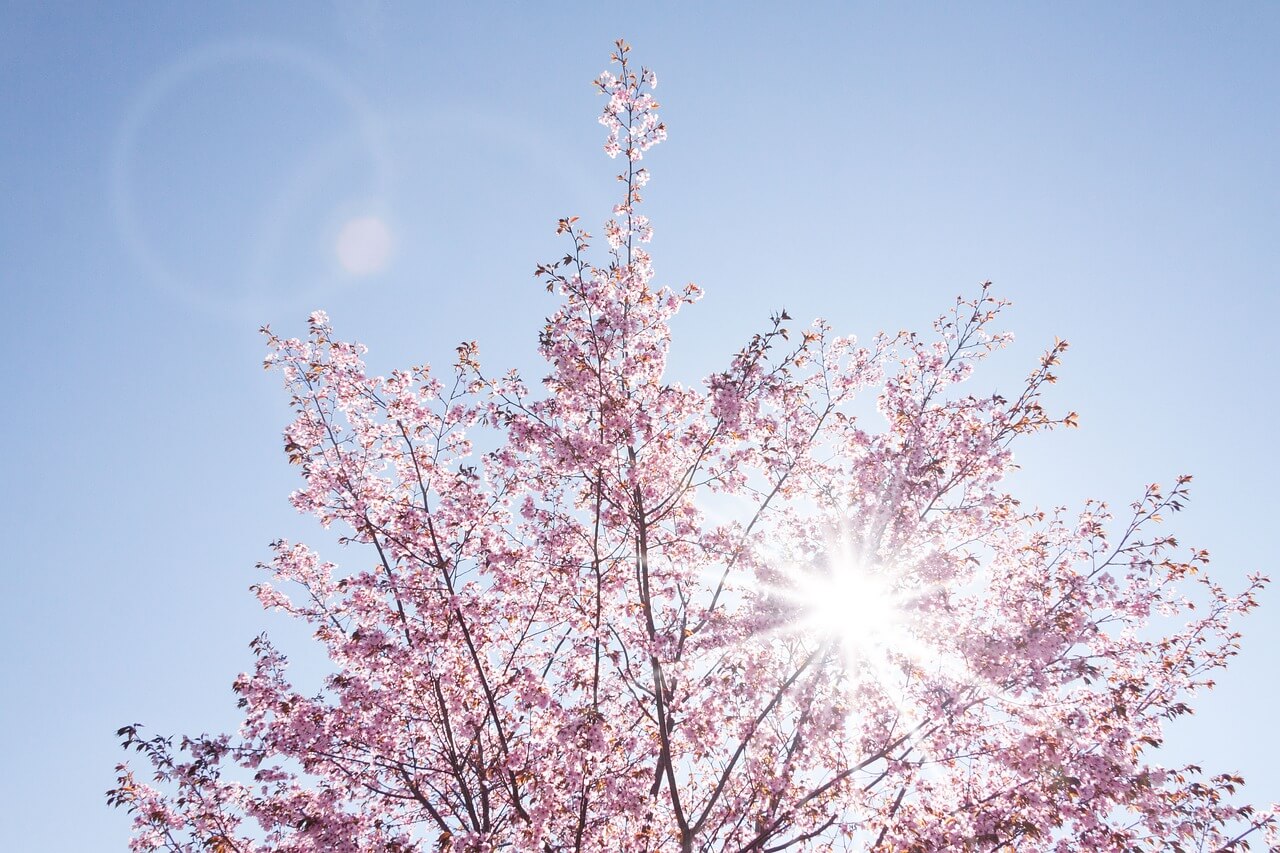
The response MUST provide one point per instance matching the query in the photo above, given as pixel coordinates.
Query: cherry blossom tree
(609, 612)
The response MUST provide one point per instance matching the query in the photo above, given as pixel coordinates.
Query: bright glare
(364, 246)
(851, 604)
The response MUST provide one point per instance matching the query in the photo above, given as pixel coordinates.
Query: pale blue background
(172, 176)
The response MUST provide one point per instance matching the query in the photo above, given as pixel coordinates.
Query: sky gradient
(170, 181)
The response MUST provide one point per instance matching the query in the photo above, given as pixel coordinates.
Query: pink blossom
(626, 614)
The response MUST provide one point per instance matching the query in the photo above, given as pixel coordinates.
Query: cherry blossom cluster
(630, 115)
(585, 613)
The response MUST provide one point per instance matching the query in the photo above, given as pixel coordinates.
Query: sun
(871, 615)
(849, 601)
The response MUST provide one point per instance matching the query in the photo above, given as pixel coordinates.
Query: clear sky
(172, 176)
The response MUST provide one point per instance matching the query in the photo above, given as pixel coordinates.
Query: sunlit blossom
(608, 610)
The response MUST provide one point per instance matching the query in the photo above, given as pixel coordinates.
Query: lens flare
(364, 246)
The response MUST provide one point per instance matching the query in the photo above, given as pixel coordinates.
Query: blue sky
(172, 178)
